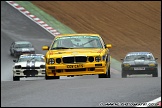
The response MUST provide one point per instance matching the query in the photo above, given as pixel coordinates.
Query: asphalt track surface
(84, 91)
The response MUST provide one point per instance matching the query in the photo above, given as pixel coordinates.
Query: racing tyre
(14, 55)
(16, 78)
(155, 74)
(107, 75)
(51, 77)
(124, 75)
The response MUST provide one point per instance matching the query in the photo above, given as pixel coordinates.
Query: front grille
(26, 52)
(30, 72)
(30, 68)
(139, 65)
(75, 59)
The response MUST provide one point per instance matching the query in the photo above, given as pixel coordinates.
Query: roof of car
(32, 55)
(78, 34)
(139, 53)
(22, 42)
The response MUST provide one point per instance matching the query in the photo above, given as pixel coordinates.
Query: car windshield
(23, 46)
(77, 42)
(30, 58)
(131, 57)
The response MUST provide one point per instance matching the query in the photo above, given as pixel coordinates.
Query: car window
(23, 45)
(35, 58)
(130, 57)
(77, 42)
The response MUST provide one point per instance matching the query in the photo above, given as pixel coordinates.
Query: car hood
(139, 62)
(24, 49)
(75, 52)
(30, 63)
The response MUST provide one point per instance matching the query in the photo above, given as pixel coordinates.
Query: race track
(85, 91)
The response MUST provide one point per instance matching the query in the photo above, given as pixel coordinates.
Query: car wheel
(101, 76)
(16, 78)
(51, 77)
(155, 74)
(14, 55)
(56, 77)
(107, 75)
(47, 77)
(124, 75)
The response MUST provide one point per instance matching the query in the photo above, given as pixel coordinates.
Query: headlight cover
(91, 59)
(126, 65)
(152, 64)
(42, 66)
(18, 67)
(51, 61)
(97, 58)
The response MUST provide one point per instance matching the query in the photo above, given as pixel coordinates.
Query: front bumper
(29, 73)
(139, 70)
(74, 69)
(21, 53)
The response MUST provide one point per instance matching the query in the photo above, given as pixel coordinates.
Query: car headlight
(58, 60)
(51, 61)
(152, 65)
(18, 67)
(98, 59)
(42, 66)
(126, 65)
(91, 59)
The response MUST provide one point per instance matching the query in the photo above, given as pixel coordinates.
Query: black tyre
(124, 75)
(16, 78)
(51, 77)
(107, 75)
(155, 74)
(101, 76)
(14, 55)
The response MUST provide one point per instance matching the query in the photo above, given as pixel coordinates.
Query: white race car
(29, 65)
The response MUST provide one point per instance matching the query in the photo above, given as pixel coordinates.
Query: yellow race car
(76, 55)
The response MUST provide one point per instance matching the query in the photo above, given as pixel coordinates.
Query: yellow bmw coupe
(77, 55)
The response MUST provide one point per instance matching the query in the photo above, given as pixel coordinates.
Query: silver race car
(29, 65)
(21, 47)
(139, 63)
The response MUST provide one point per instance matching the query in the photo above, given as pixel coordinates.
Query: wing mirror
(15, 61)
(156, 58)
(45, 48)
(108, 46)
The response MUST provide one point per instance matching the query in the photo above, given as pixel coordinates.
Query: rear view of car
(139, 63)
(29, 65)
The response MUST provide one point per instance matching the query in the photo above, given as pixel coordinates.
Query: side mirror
(108, 46)
(15, 61)
(45, 48)
(156, 58)
(121, 59)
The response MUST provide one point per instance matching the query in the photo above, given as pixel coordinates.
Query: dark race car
(21, 47)
(139, 63)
